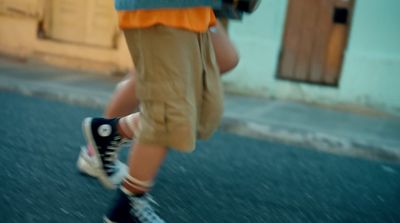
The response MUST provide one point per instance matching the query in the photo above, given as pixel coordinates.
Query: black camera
(247, 6)
(234, 9)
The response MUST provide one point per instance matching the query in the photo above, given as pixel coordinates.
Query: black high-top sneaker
(102, 134)
(129, 208)
(88, 164)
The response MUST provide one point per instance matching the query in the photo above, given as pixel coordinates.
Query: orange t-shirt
(197, 19)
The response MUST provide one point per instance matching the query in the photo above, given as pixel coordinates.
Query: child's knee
(230, 62)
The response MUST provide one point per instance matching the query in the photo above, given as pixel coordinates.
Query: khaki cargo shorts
(178, 85)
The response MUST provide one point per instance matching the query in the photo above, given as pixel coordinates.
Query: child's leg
(132, 202)
(173, 97)
(144, 163)
(225, 52)
(124, 100)
(144, 160)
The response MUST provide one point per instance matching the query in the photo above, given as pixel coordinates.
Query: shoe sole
(106, 220)
(84, 165)
(100, 173)
(87, 167)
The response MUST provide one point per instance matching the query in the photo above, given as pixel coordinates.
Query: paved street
(227, 179)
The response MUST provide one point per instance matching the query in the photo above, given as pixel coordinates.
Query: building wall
(371, 73)
(95, 44)
(371, 69)
(258, 38)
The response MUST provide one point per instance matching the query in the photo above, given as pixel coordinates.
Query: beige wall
(79, 34)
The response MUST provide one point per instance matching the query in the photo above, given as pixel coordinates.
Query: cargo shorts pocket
(152, 118)
(154, 99)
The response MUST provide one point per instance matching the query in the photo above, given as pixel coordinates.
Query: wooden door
(315, 39)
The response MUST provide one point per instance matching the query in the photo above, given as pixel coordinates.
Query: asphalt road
(227, 179)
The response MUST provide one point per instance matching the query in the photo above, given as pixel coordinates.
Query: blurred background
(77, 34)
(331, 52)
(310, 133)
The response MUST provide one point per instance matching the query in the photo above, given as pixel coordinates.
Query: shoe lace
(112, 149)
(141, 209)
(111, 154)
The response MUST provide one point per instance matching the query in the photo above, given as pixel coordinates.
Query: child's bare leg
(106, 135)
(144, 160)
(123, 101)
(144, 163)
(225, 52)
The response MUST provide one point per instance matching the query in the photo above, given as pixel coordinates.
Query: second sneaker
(103, 136)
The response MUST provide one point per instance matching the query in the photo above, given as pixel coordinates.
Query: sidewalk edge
(315, 140)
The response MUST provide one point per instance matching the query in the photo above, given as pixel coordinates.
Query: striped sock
(134, 186)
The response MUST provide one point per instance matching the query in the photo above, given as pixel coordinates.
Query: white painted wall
(371, 70)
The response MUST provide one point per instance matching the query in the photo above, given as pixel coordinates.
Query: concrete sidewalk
(369, 136)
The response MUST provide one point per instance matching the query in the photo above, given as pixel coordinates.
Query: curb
(61, 93)
(315, 140)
